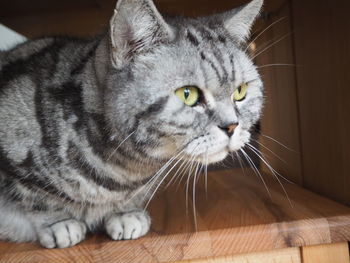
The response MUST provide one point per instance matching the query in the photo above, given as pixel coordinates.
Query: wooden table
(237, 221)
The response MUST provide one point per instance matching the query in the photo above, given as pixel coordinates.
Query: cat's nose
(229, 128)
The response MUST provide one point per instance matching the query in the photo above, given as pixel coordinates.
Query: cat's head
(182, 85)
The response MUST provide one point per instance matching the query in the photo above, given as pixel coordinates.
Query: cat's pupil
(186, 93)
(239, 89)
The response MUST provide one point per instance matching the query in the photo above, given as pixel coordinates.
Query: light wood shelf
(237, 221)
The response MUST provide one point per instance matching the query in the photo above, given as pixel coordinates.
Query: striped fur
(86, 123)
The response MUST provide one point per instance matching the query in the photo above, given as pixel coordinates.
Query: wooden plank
(322, 47)
(287, 255)
(338, 253)
(275, 59)
(236, 216)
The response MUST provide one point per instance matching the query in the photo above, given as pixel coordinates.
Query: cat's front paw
(62, 234)
(129, 225)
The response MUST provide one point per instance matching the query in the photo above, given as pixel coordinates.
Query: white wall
(9, 38)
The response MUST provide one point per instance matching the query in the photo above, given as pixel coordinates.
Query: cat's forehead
(208, 39)
(202, 55)
(200, 32)
(216, 58)
(216, 67)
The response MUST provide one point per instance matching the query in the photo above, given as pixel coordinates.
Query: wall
(9, 38)
(275, 58)
(322, 52)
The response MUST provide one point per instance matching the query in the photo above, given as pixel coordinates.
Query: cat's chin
(214, 157)
(216, 145)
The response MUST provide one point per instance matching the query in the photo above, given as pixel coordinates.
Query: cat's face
(184, 86)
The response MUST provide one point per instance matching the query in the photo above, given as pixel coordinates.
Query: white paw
(62, 234)
(130, 225)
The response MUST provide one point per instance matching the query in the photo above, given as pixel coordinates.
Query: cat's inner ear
(239, 21)
(136, 27)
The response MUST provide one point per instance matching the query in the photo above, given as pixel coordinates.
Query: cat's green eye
(240, 93)
(189, 95)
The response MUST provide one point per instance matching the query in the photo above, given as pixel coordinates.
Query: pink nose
(229, 129)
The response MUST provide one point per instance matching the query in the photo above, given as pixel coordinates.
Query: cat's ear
(239, 21)
(136, 27)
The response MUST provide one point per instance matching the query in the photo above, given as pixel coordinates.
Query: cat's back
(41, 57)
(39, 63)
(27, 72)
(20, 70)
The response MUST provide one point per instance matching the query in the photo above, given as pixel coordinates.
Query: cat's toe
(46, 238)
(130, 225)
(62, 234)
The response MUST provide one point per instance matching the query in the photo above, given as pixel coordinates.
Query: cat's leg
(14, 224)
(61, 234)
(50, 229)
(129, 225)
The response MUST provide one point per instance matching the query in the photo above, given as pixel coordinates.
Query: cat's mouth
(216, 146)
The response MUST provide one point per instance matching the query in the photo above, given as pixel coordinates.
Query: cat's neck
(101, 60)
(97, 70)
(94, 75)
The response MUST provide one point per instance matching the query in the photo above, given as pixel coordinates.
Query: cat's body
(54, 141)
(85, 124)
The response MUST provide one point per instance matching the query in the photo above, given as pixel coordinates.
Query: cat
(88, 126)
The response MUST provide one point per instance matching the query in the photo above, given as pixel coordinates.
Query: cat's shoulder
(49, 44)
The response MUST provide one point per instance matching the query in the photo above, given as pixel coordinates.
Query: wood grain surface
(338, 253)
(285, 255)
(322, 49)
(276, 64)
(237, 215)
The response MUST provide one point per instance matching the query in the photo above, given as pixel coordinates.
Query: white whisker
(262, 32)
(161, 181)
(180, 169)
(154, 178)
(194, 197)
(265, 147)
(256, 169)
(206, 175)
(184, 172)
(240, 161)
(271, 45)
(187, 187)
(278, 143)
(273, 171)
(257, 152)
(120, 144)
(188, 165)
(188, 182)
(276, 64)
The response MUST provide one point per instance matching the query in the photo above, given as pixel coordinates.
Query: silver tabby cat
(86, 124)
